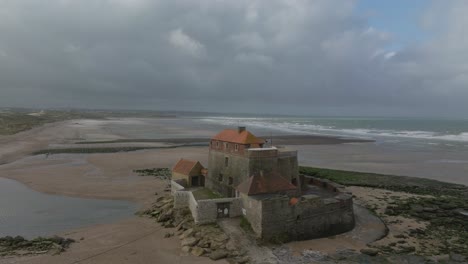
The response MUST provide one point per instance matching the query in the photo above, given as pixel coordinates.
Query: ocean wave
(296, 127)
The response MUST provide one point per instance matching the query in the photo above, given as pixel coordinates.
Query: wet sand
(447, 166)
(107, 176)
(110, 176)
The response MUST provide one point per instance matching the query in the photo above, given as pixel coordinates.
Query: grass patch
(245, 225)
(166, 172)
(205, 194)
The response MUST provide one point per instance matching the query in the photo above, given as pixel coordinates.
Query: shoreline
(111, 176)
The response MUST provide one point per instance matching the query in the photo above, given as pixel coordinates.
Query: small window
(231, 180)
(217, 144)
(220, 177)
(226, 161)
(225, 145)
(236, 147)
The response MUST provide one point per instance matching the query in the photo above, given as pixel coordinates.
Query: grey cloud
(313, 57)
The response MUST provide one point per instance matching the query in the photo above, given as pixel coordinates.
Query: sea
(449, 134)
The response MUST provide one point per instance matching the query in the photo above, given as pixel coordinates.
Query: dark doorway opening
(223, 210)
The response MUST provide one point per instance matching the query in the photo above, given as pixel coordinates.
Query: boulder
(190, 241)
(370, 251)
(198, 251)
(186, 249)
(165, 216)
(187, 233)
(221, 237)
(218, 254)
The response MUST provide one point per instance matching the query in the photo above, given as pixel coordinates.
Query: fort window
(217, 144)
(220, 177)
(236, 147)
(226, 161)
(231, 180)
(225, 145)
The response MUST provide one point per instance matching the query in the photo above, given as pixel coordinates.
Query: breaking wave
(301, 127)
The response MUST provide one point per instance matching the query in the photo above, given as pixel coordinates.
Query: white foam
(301, 128)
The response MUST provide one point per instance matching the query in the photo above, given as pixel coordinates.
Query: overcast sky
(314, 57)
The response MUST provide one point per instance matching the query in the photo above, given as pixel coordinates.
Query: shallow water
(28, 213)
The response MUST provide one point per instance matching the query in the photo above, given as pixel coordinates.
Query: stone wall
(203, 211)
(311, 217)
(181, 196)
(237, 169)
(240, 167)
(278, 217)
(206, 211)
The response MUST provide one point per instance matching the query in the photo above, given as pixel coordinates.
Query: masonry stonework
(263, 185)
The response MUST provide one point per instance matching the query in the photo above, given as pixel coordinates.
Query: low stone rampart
(203, 211)
(306, 217)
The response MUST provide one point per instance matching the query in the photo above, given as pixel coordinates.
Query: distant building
(189, 173)
(236, 155)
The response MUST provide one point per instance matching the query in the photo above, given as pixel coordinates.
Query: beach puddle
(29, 213)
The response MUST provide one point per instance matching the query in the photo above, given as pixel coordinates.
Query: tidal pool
(29, 213)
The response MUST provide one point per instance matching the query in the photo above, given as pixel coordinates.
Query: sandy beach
(111, 176)
(103, 176)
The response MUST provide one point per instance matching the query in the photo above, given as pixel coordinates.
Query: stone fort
(261, 183)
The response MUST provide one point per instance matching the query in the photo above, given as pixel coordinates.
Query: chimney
(240, 129)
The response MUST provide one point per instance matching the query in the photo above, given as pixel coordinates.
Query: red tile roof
(261, 183)
(185, 166)
(234, 136)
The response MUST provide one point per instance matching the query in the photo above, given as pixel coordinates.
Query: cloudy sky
(314, 57)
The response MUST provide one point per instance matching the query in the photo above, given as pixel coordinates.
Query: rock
(243, 260)
(168, 224)
(165, 216)
(187, 233)
(168, 235)
(231, 245)
(220, 237)
(186, 249)
(370, 251)
(218, 254)
(216, 245)
(429, 209)
(406, 249)
(457, 257)
(179, 226)
(204, 243)
(198, 251)
(190, 241)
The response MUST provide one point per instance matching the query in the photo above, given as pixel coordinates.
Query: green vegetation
(388, 182)
(92, 150)
(245, 225)
(442, 210)
(205, 194)
(15, 245)
(157, 172)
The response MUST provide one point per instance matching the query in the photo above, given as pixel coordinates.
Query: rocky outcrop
(199, 240)
(21, 246)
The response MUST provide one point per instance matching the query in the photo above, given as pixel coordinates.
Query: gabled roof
(185, 166)
(236, 136)
(261, 183)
